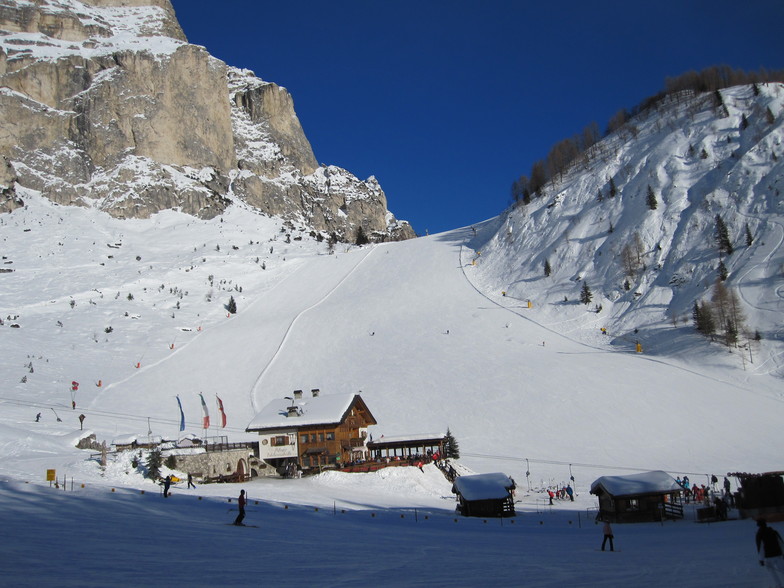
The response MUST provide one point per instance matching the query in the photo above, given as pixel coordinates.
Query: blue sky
(446, 102)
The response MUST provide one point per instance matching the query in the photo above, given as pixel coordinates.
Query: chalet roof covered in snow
(655, 482)
(494, 486)
(321, 410)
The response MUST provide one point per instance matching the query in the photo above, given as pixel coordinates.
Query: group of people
(564, 493)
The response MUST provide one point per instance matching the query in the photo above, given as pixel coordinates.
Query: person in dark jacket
(608, 534)
(166, 485)
(241, 504)
(771, 552)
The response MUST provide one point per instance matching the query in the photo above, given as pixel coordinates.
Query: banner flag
(182, 414)
(223, 414)
(206, 418)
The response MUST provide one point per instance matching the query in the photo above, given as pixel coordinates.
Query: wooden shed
(485, 495)
(761, 495)
(637, 498)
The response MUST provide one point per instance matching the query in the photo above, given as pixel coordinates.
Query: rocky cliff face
(104, 103)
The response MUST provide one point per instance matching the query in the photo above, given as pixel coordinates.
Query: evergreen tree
(703, 319)
(749, 236)
(153, 464)
(722, 271)
(361, 237)
(769, 116)
(585, 294)
(547, 268)
(651, 201)
(451, 448)
(600, 196)
(613, 190)
(232, 305)
(722, 236)
(744, 123)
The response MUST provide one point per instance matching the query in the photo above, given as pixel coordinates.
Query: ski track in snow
(293, 322)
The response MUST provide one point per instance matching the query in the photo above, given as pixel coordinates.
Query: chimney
(297, 393)
(315, 392)
(292, 411)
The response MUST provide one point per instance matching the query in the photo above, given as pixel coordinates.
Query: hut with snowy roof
(312, 433)
(649, 496)
(485, 495)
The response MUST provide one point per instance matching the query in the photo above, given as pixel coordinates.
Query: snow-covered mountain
(697, 157)
(104, 103)
(125, 288)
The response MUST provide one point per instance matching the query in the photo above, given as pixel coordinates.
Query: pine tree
(547, 268)
(613, 190)
(451, 448)
(769, 116)
(749, 236)
(722, 271)
(744, 123)
(703, 319)
(722, 236)
(232, 305)
(361, 237)
(153, 464)
(651, 201)
(585, 294)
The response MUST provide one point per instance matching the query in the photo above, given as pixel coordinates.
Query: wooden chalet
(760, 496)
(312, 433)
(637, 498)
(485, 495)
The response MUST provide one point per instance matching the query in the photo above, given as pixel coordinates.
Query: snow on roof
(483, 486)
(321, 410)
(131, 438)
(646, 483)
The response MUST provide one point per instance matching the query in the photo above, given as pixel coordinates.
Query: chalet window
(312, 437)
(330, 436)
(321, 437)
(280, 440)
(303, 438)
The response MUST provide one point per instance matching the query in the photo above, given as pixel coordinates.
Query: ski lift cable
(570, 463)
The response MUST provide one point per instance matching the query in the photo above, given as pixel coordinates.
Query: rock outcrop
(104, 103)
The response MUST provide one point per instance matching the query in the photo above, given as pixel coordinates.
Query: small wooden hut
(761, 495)
(637, 498)
(485, 495)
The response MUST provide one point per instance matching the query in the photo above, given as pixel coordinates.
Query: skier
(771, 554)
(38, 417)
(570, 492)
(166, 485)
(608, 534)
(81, 421)
(241, 504)
(190, 481)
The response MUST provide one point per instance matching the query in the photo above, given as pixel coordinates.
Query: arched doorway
(242, 468)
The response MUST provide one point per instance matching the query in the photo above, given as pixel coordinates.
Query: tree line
(567, 152)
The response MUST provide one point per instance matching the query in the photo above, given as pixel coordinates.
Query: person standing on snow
(570, 492)
(166, 485)
(608, 534)
(241, 504)
(771, 551)
(190, 481)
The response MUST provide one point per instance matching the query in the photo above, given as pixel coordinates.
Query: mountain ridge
(106, 104)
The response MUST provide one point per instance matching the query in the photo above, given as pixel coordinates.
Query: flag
(182, 414)
(206, 418)
(223, 414)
